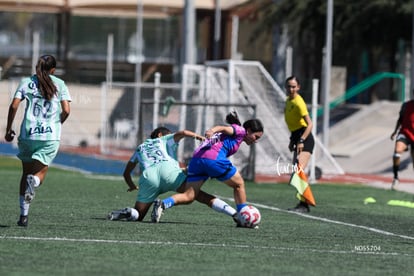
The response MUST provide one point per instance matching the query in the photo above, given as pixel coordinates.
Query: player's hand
(209, 133)
(291, 146)
(184, 169)
(10, 135)
(300, 147)
(132, 189)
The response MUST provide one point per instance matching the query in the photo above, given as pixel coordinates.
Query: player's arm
(65, 111)
(308, 128)
(397, 127)
(10, 118)
(228, 130)
(306, 133)
(187, 133)
(127, 176)
(398, 123)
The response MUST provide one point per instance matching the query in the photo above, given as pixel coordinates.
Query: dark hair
(158, 130)
(45, 84)
(292, 78)
(255, 125)
(233, 118)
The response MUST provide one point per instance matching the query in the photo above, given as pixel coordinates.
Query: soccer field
(68, 233)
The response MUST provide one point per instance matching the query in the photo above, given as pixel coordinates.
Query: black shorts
(401, 137)
(309, 142)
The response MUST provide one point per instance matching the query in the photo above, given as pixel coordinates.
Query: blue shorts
(202, 169)
(42, 151)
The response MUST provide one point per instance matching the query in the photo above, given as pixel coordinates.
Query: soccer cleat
(157, 211)
(236, 218)
(29, 194)
(23, 221)
(394, 183)
(119, 214)
(302, 207)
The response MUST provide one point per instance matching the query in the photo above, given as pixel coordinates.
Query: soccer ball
(249, 216)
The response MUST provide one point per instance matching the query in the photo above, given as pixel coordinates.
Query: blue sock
(168, 202)
(240, 206)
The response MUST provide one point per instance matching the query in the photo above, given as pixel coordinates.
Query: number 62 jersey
(41, 120)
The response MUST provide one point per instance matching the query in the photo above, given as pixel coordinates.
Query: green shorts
(161, 178)
(42, 151)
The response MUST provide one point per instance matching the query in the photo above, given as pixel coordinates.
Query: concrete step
(361, 143)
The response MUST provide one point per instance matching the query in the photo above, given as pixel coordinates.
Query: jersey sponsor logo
(32, 85)
(40, 130)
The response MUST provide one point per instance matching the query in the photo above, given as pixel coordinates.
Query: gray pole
(234, 36)
(217, 29)
(189, 32)
(138, 68)
(327, 75)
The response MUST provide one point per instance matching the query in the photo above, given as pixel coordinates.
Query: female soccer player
(300, 125)
(47, 107)
(210, 159)
(161, 173)
(405, 138)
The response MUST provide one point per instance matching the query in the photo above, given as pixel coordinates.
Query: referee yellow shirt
(295, 110)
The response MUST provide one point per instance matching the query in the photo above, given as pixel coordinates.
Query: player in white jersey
(161, 173)
(47, 107)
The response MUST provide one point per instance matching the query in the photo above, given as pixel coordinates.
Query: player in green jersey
(161, 173)
(47, 107)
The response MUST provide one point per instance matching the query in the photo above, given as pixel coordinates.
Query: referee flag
(299, 180)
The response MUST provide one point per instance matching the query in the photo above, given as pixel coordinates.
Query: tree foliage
(375, 27)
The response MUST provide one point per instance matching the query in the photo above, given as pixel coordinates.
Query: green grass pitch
(68, 233)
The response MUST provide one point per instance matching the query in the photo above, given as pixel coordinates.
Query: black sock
(395, 170)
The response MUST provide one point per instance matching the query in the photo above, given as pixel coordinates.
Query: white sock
(24, 206)
(222, 207)
(37, 181)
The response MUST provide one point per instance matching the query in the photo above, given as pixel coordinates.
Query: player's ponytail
(233, 118)
(43, 69)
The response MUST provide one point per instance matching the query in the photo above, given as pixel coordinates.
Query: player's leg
(35, 174)
(412, 153)
(187, 196)
(24, 206)
(215, 203)
(236, 181)
(303, 159)
(32, 176)
(400, 147)
(38, 155)
(142, 208)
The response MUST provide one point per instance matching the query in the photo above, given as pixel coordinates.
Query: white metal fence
(112, 119)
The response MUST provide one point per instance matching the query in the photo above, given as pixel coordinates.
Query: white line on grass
(330, 220)
(104, 177)
(197, 244)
